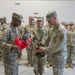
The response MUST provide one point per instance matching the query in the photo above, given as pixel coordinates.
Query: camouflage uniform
(70, 46)
(10, 55)
(2, 32)
(57, 46)
(39, 57)
(58, 49)
(30, 28)
(2, 27)
(48, 29)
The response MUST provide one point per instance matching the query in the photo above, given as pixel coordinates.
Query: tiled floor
(24, 70)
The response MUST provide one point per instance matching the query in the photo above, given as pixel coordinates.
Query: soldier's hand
(41, 49)
(15, 47)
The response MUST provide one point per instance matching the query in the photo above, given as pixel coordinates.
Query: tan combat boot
(67, 65)
(29, 65)
(48, 65)
(71, 66)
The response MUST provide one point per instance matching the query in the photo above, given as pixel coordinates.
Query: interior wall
(65, 9)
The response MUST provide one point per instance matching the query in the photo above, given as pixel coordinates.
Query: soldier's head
(71, 25)
(32, 21)
(52, 18)
(16, 19)
(1, 21)
(4, 19)
(66, 25)
(39, 21)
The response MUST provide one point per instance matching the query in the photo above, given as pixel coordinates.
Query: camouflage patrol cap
(31, 17)
(4, 17)
(39, 18)
(63, 23)
(50, 15)
(17, 16)
(71, 23)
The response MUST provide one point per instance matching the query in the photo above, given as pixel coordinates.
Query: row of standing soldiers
(70, 43)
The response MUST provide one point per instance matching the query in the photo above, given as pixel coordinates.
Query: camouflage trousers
(0, 54)
(10, 61)
(49, 58)
(30, 56)
(70, 52)
(39, 65)
(59, 62)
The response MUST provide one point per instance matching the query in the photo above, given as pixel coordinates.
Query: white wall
(65, 9)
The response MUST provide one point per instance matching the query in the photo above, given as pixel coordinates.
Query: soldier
(1, 21)
(30, 28)
(66, 25)
(4, 23)
(39, 57)
(2, 31)
(10, 50)
(48, 29)
(57, 45)
(70, 45)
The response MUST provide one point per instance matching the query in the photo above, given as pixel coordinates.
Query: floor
(24, 70)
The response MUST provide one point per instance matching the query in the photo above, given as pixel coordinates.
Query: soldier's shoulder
(62, 28)
(27, 25)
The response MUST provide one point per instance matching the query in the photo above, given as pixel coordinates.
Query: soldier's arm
(5, 39)
(55, 47)
(46, 39)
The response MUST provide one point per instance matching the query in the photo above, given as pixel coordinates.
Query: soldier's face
(71, 26)
(39, 23)
(66, 27)
(16, 22)
(52, 21)
(32, 21)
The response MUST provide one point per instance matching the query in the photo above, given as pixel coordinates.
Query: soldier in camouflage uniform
(57, 45)
(70, 45)
(2, 28)
(48, 29)
(39, 57)
(2, 32)
(30, 28)
(66, 25)
(5, 21)
(10, 50)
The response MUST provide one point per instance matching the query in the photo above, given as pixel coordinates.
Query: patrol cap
(50, 15)
(17, 16)
(71, 23)
(4, 17)
(39, 18)
(63, 23)
(31, 17)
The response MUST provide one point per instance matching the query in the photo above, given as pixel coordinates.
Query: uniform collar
(13, 28)
(32, 25)
(56, 27)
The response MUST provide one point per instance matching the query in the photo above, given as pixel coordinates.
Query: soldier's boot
(71, 66)
(35, 72)
(40, 74)
(29, 65)
(48, 65)
(67, 65)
